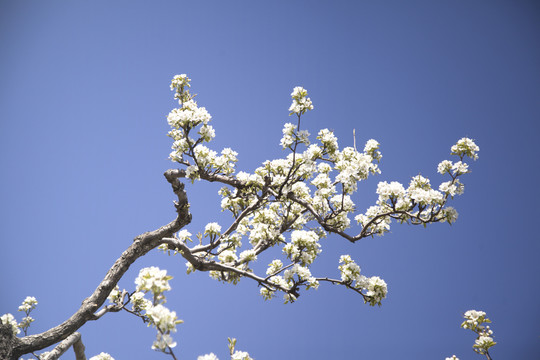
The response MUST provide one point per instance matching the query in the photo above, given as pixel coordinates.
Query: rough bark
(61, 348)
(78, 348)
(6, 341)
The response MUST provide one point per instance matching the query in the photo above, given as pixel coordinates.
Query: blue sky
(83, 102)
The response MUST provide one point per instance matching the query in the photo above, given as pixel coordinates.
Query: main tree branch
(142, 244)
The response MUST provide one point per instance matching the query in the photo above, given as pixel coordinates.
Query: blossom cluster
(153, 281)
(466, 147)
(186, 120)
(235, 354)
(28, 304)
(301, 103)
(293, 202)
(474, 321)
(9, 319)
(374, 288)
(102, 356)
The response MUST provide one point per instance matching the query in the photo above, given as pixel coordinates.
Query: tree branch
(78, 348)
(64, 346)
(142, 244)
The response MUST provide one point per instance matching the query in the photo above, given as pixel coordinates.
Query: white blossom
(372, 149)
(248, 255)
(183, 235)
(28, 304)
(483, 341)
(240, 355)
(210, 356)
(301, 103)
(228, 256)
(162, 318)
(179, 81)
(444, 167)
(350, 271)
(212, 228)
(163, 342)
(275, 266)
(328, 140)
(102, 356)
(207, 132)
(139, 302)
(376, 290)
(8, 319)
(304, 246)
(25, 322)
(153, 279)
(114, 296)
(390, 190)
(460, 168)
(192, 172)
(449, 214)
(465, 147)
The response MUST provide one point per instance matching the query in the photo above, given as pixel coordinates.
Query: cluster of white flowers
(235, 354)
(210, 356)
(397, 202)
(453, 357)
(372, 149)
(102, 356)
(474, 321)
(304, 277)
(188, 116)
(162, 318)
(288, 135)
(304, 247)
(466, 147)
(183, 121)
(9, 319)
(350, 271)
(353, 167)
(28, 304)
(165, 321)
(295, 201)
(329, 141)
(375, 288)
(178, 83)
(115, 296)
(154, 281)
(301, 103)
(139, 302)
(212, 229)
(295, 195)
(292, 136)
(240, 355)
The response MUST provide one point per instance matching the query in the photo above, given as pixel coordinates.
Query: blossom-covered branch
(293, 202)
(285, 206)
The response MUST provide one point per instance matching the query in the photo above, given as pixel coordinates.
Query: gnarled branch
(142, 244)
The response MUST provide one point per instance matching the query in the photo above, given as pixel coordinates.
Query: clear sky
(84, 94)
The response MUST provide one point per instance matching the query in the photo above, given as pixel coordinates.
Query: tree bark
(7, 338)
